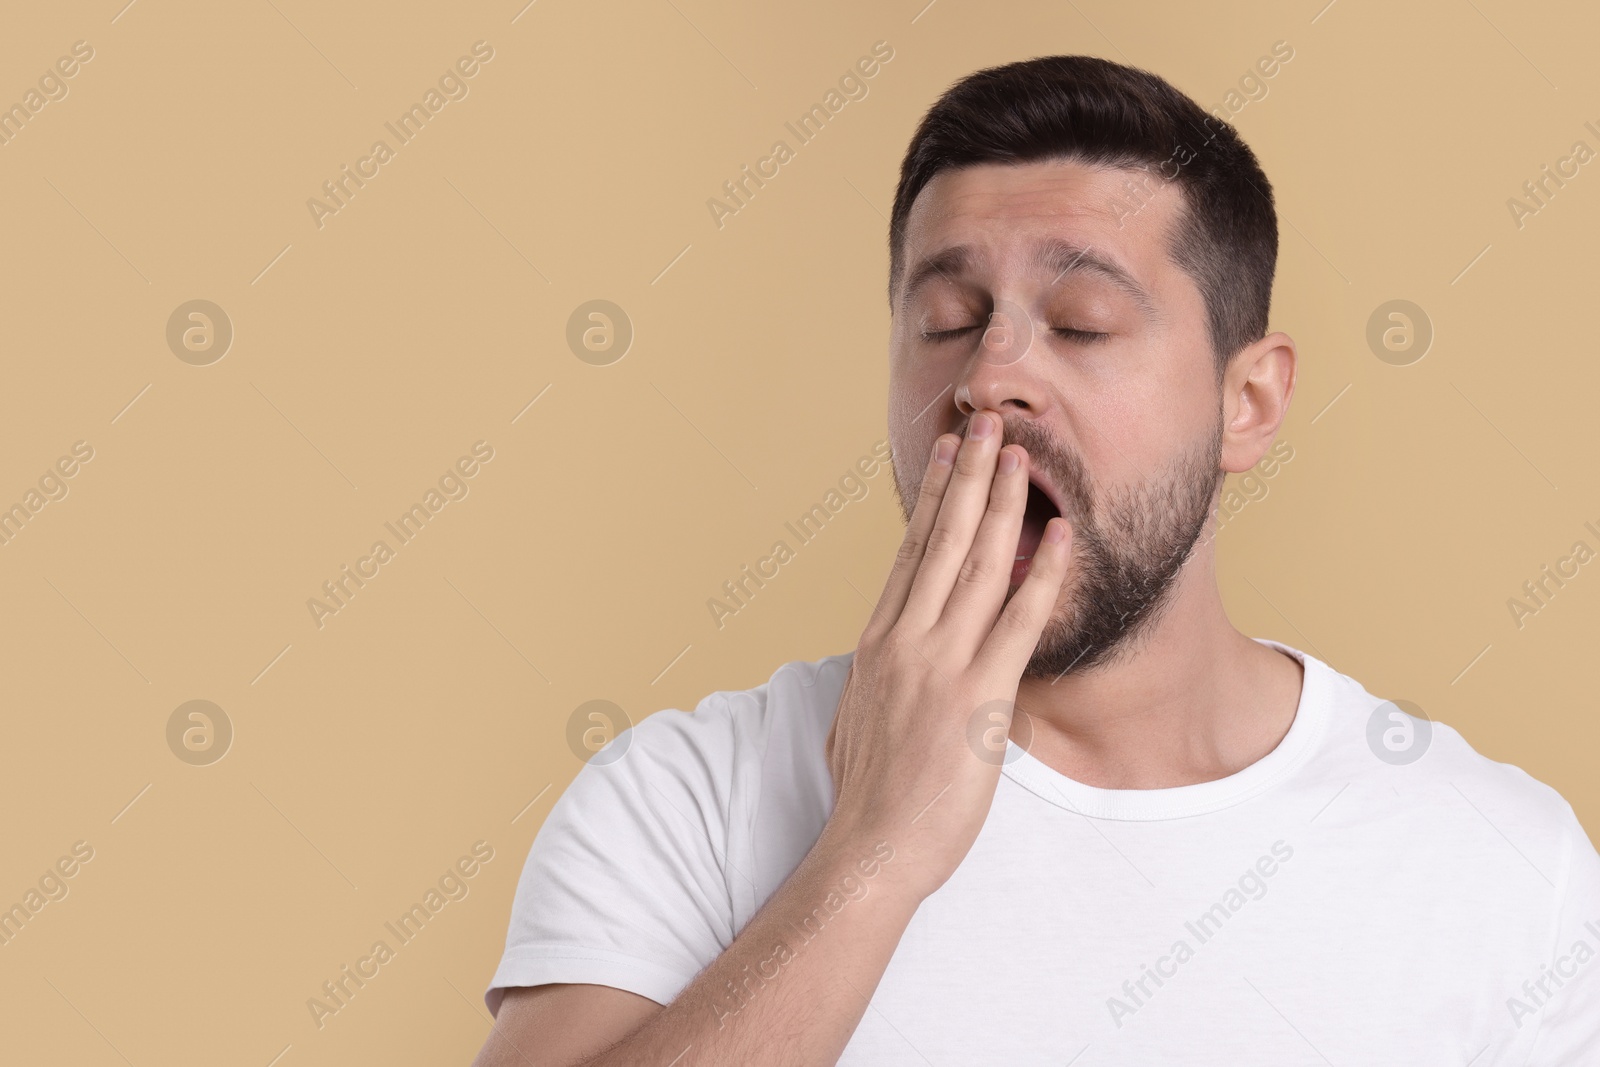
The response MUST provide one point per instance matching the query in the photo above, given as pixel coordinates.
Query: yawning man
(1053, 807)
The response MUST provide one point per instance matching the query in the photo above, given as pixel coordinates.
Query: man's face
(1046, 292)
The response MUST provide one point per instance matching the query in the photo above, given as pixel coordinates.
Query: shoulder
(739, 785)
(797, 700)
(737, 749)
(1510, 788)
(1395, 745)
(1531, 816)
(645, 868)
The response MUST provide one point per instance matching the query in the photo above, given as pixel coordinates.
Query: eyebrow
(1055, 255)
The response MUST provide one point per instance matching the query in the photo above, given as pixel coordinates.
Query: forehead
(1003, 211)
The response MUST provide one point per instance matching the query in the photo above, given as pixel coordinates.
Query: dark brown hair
(1097, 112)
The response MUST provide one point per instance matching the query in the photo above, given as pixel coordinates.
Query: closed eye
(1088, 337)
(946, 335)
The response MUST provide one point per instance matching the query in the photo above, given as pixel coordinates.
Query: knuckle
(942, 541)
(1016, 619)
(1004, 508)
(910, 550)
(968, 462)
(977, 570)
(895, 648)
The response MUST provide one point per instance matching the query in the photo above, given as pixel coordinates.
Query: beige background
(432, 711)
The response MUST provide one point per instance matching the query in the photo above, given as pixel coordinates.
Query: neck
(1187, 699)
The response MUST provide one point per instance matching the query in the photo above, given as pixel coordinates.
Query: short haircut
(1093, 111)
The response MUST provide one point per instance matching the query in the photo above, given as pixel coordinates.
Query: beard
(1129, 545)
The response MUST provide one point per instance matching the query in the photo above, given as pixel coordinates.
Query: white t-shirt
(1341, 901)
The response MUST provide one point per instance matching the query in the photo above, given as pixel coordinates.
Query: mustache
(1060, 466)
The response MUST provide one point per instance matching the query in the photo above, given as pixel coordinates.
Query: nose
(1006, 373)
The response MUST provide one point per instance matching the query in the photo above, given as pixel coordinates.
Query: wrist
(857, 861)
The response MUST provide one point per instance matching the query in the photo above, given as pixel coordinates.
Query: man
(1195, 847)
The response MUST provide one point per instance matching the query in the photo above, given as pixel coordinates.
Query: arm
(560, 1024)
(911, 796)
(773, 997)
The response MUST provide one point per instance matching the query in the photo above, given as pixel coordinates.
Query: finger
(965, 501)
(898, 586)
(1016, 633)
(981, 584)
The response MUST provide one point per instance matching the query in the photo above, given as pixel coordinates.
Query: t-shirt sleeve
(1569, 1027)
(625, 884)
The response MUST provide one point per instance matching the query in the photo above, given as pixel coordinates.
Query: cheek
(1130, 429)
(1155, 397)
(921, 391)
(912, 450)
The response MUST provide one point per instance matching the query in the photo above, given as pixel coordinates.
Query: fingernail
(944, 450)
(980, 427)
(1008, 462)
(1054, 530)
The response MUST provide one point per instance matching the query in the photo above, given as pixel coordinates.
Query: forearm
(794, 984)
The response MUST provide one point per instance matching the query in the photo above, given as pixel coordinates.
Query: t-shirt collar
(1177, 802)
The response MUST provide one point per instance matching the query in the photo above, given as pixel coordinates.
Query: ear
(1256, 390)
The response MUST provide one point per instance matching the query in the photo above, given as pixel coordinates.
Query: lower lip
(1019, 571)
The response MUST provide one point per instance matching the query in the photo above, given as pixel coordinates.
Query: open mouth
(1040, 510)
